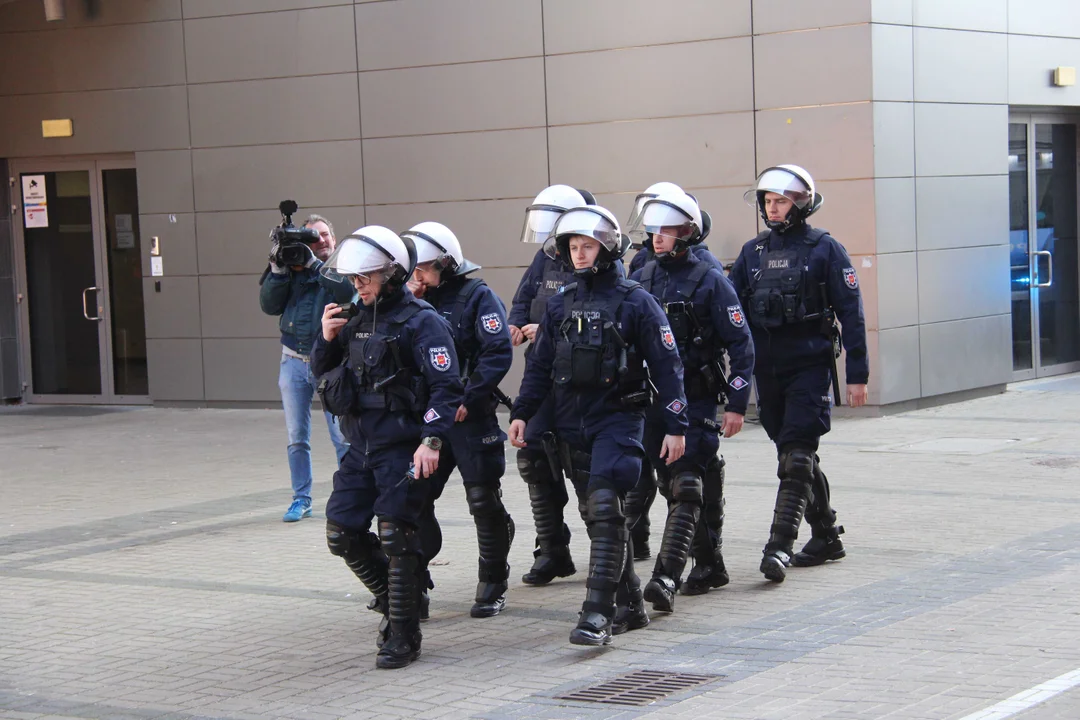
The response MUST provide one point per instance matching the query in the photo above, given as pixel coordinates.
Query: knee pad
(348, 543)
(604, 505)
(687, 487)
(484, 500)
(796, 464)
(533, 467)
(397, 539)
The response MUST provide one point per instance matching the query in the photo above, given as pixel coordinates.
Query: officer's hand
(530, 331)
(517, 433)
(516, 336)
(461, 414)
(673, 448)
(415, 287)
(731, 424)
(332, 325)
(274, 267)
(426, 461)
(856, 395)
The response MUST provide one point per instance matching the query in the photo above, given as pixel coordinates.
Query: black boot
(796, 473)
(679, 530)
(607, 561)
(709, 570)
(547, 499)
(823, 546)
(630, 612)
(402, 645)
(494, 535)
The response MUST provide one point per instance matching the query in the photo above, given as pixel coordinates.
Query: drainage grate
(642, 687)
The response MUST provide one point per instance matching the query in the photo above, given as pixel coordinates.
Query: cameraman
(298, 293)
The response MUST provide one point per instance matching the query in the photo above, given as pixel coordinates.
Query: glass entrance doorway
(79, 262)
(1043, 213)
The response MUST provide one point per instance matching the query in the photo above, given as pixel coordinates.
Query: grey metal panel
(28, 14)
(104, 121)
(273, 44)
(962, 211)
(250, 178)
(7, 304)
(841, 67)
(258, 112)
(848, 214)
(713, 77)
(954, 139)
(989, 15)
(173, 312)
(894, 139)
(216, 8)
(734, 222)
(176, 369)
(466, 166)
(1031, 64)
(164, 180)
(772, 16)
(237, 243)
(243, 369)
(833, 142)
(894, 210)
(701, 151)
(1045, 17)
(178, 251)
(495, 95)
(897, 290)
(10, 382)
(575, 26)
(891, 11)
(867, 272)
(965, 354)
(894, 69)
(230, 308)
(960, 66)
(963, 283)
(898, 365)
(410, 33)
(93, 58)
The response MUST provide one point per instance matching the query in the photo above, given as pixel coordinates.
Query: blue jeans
(297, 386)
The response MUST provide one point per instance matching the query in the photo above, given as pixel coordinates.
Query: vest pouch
(337, 391)
(585, 363)
(767, 308)
(536, 309)
(679, 321)
(791, 286)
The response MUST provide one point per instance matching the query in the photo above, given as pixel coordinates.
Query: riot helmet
(594, 222)
(540, 217)
(794, 183)
(642, 198)
(437, 244)
(372, 251)
(672, 214)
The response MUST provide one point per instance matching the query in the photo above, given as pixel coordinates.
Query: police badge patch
(431, 415)
(491, 323)
(734, 313)
(667, 338)
(440, 358)
(737, 383)
(676, 406)
(850, 279)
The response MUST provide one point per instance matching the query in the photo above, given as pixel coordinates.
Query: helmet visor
(635, 214)
(586, 221)
(539, 220)
(663, 218)
(428, 250)
(781, 182)
(356, 255)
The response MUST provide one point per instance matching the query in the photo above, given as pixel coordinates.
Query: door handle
(1049, 268)
(85, 312)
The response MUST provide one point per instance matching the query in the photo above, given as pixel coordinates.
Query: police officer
(478, 322)
(705, 319)
(391, 374)
(794, 280)
(590, 348)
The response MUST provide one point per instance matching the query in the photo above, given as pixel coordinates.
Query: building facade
(942, 134)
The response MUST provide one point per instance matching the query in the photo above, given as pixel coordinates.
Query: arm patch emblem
(850, 279)
(440, 358)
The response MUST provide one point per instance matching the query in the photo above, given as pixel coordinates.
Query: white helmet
(597, 223)
(540, 217)
(674, 214)
(369, 250)
(650, 192)
(435, 243)
(792, 182)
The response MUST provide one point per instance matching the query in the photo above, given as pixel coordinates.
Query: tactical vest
(552, 282)
(591, 355)
(782, 291)
(383, 380)
(468, 347)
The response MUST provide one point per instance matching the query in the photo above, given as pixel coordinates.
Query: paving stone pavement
(145, 573)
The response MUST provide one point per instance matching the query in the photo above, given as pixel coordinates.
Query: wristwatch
(432, 442)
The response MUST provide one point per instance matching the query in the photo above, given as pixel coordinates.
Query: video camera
(293, 243)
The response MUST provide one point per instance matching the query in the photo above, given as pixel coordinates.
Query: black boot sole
(692, 587)
(579, 637)
(533, 578)
(804, 560)
(660, 601)
(395, 662)
(636, 624)
(486, 610)
(772, 568)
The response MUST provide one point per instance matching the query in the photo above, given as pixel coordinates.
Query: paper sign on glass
(156, 267)
(35, 203)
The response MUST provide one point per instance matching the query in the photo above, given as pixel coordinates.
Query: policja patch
(850, 279)
(667, 337)
(491, 323)
(735, 315)
(440, 358)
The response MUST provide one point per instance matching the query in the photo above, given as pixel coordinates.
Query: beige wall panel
(954, 139)
(897, 290)
(734, 222)
(214, 8)
(894, 69)
(178, 251)
(1045, 17)
(701, 151)
(291, 110)
(848, 214)
(107, 121)
(894, 139)
(1031, 63)
(310, 42)
(965, 354)
(832, 142)
(988, 15)
(772, 16)
(466, 166)
(891, 11)
(242, 369)
(578, 25)
(25, 15)
(93, 58)
(842, 70)
(897, 376)
(230, 308)
(963, 283)
(962, 211)
(960, 66)
(894, 211)
(713, 77)
(164, 181)
(175, 368)
(173, 312)
(867, 270)
(250, 178)
(410, 33)
(498, 95)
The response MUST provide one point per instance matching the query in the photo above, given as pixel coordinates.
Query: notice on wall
(35, 202)
(125, 240)
(156, 268)
(123, 223)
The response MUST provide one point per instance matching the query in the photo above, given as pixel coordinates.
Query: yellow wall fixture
(1064, 76)
(56, 128)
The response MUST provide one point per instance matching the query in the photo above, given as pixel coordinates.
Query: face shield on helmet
(674, 215)
(650, 192)
(794, 183)
(435, 244)
(591, 221)
(540, 217)
(371, 251)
